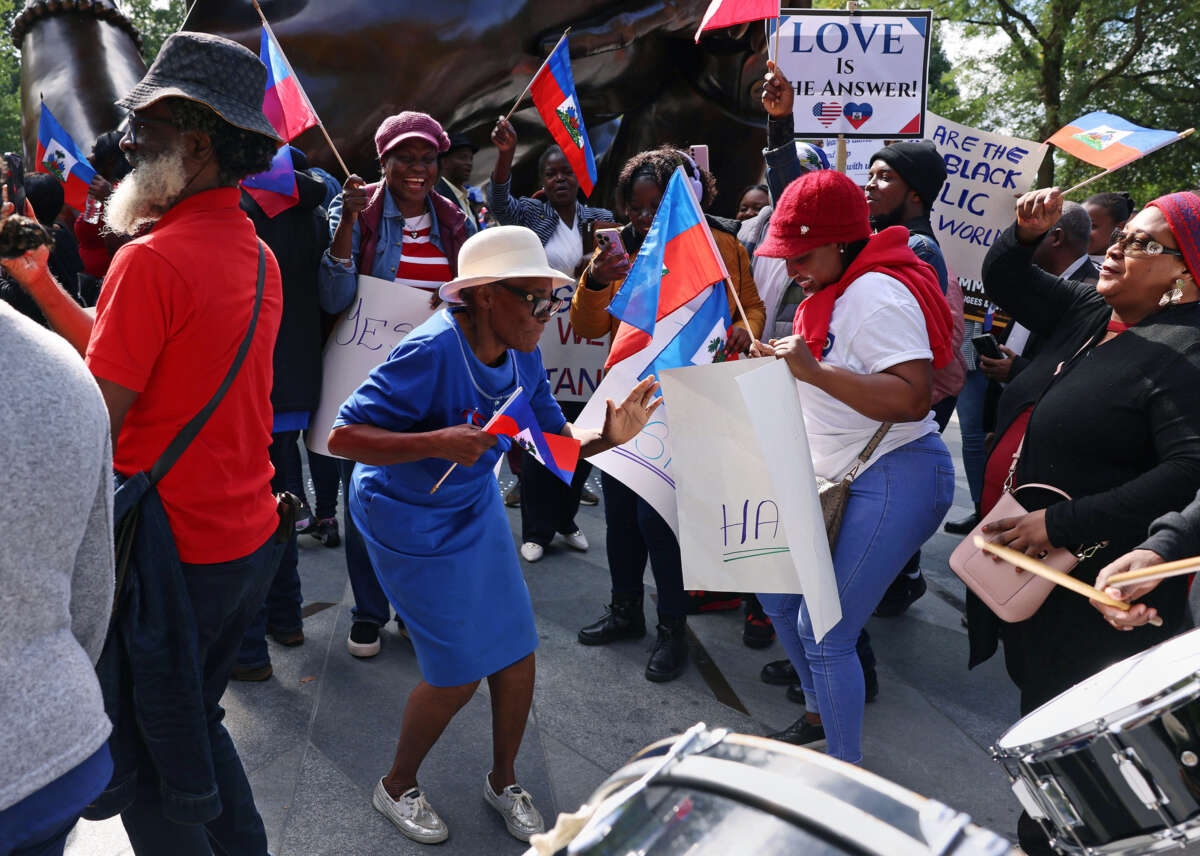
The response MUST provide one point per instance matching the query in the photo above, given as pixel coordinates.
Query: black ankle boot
(669, 656)
(623, 619)
(964, 526)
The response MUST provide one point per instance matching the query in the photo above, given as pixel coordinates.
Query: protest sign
(574, 364)
(736, 533)
(859, 74)
(986, 172)
(858, 156)
(381, 315)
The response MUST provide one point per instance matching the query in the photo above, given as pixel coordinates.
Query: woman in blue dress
(446, 559)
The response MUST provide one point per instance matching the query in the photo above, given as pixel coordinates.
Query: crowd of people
(134, 346)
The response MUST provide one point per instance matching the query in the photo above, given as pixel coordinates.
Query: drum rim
(1113, 721)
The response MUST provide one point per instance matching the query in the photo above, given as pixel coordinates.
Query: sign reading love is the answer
(860, 74)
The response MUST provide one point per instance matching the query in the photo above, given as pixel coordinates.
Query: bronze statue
(640, 78)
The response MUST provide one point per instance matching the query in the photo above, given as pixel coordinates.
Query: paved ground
(317, 736)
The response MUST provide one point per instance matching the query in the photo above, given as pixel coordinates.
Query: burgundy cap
(1182, 211)
(407, 125)
(818, 208)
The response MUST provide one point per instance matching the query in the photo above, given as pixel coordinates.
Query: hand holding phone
(987, 346)
(613, 261)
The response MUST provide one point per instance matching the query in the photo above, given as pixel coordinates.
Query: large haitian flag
(1108, 141)
(677, 262)
(285, 103)
(58, 155)
(516, 419)
(553, 90)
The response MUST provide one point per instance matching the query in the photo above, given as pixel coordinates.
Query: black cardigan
(1119, 430)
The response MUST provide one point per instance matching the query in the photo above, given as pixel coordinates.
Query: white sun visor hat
(501, 252)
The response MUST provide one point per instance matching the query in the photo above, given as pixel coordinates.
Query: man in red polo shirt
(176, 304)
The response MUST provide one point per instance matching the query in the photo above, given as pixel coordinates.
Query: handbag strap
(868, 450)
(189, 431)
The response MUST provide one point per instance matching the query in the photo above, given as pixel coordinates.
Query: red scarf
(888, 253)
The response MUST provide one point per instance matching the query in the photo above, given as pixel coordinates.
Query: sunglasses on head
(1141, 245)
(538, 306)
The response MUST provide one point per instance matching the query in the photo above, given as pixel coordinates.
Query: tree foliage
(1063, 58)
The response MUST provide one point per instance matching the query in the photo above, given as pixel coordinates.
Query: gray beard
(146, 194)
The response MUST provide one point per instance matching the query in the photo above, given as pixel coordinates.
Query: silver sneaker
(411, 814)
(515, 805)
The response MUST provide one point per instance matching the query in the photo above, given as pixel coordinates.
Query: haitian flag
(729, 13)
(58, 155)
(678, 261)
(1108, 141)
(516, 419)
(284, 102)
(275, 190)
(701, 340)
(553, 91)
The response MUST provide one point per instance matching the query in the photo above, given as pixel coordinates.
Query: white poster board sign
(381, 315)
(574, 364)
(856, 74)
(986, 172)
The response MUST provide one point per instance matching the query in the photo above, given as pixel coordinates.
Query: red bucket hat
(818, 208)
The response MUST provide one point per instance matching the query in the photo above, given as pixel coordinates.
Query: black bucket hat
(218, 73)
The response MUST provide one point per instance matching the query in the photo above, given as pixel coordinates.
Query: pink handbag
(1012, 594)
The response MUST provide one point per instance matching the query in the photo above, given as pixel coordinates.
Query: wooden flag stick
(1027, 563)
(1166, 569)
(528, 85)
(1087, 181)
(778, 27)
(320, 124)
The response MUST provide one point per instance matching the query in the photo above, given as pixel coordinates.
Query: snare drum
(729, 794)
(1112, 766)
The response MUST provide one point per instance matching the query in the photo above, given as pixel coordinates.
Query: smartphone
(609, 241)
(14, 180)
(986, 345)
(700, 156)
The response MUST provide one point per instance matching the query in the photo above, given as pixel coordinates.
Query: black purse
(128, 495)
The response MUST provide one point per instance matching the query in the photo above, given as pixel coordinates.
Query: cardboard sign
(381, 315)
(574, 364)
(860, 74)
(986, 172)
(736, 532)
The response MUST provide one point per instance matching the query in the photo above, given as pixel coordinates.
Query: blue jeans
(893, 508)
(970, 421)
(224, 599)
(370, 603)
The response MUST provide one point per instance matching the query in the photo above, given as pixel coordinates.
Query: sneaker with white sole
(531, 551)
(515, 805)
(576, 540)
(363, 640)
(411, 814)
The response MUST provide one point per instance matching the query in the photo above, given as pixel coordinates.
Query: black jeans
(224, 599)
(636, 531)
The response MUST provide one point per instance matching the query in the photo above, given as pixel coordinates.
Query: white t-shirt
(564, 250)
(876, 324)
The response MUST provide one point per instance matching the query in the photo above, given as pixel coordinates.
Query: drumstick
(1164, 570)
(1027, 563)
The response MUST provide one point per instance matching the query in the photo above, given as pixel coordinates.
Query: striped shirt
(538, 214)
(422, 264)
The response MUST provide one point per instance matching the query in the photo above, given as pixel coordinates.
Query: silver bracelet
(335, 259)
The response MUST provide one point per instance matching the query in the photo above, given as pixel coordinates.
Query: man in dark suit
(1062, 252)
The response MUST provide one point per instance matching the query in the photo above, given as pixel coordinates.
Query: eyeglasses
(1139, 245)
(538, 306)
(134, 123)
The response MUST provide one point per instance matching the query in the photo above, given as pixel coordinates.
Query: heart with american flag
(827, 112)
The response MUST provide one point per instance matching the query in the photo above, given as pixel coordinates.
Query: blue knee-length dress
(446, 560)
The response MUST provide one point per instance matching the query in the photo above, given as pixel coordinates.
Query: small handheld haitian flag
(554, 96)
(275, 190)
(1108, 141)
(58, 155)
(678, 261)
(285, 103)
(516, 419)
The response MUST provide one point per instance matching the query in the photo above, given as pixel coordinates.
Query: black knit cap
(919, 164)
